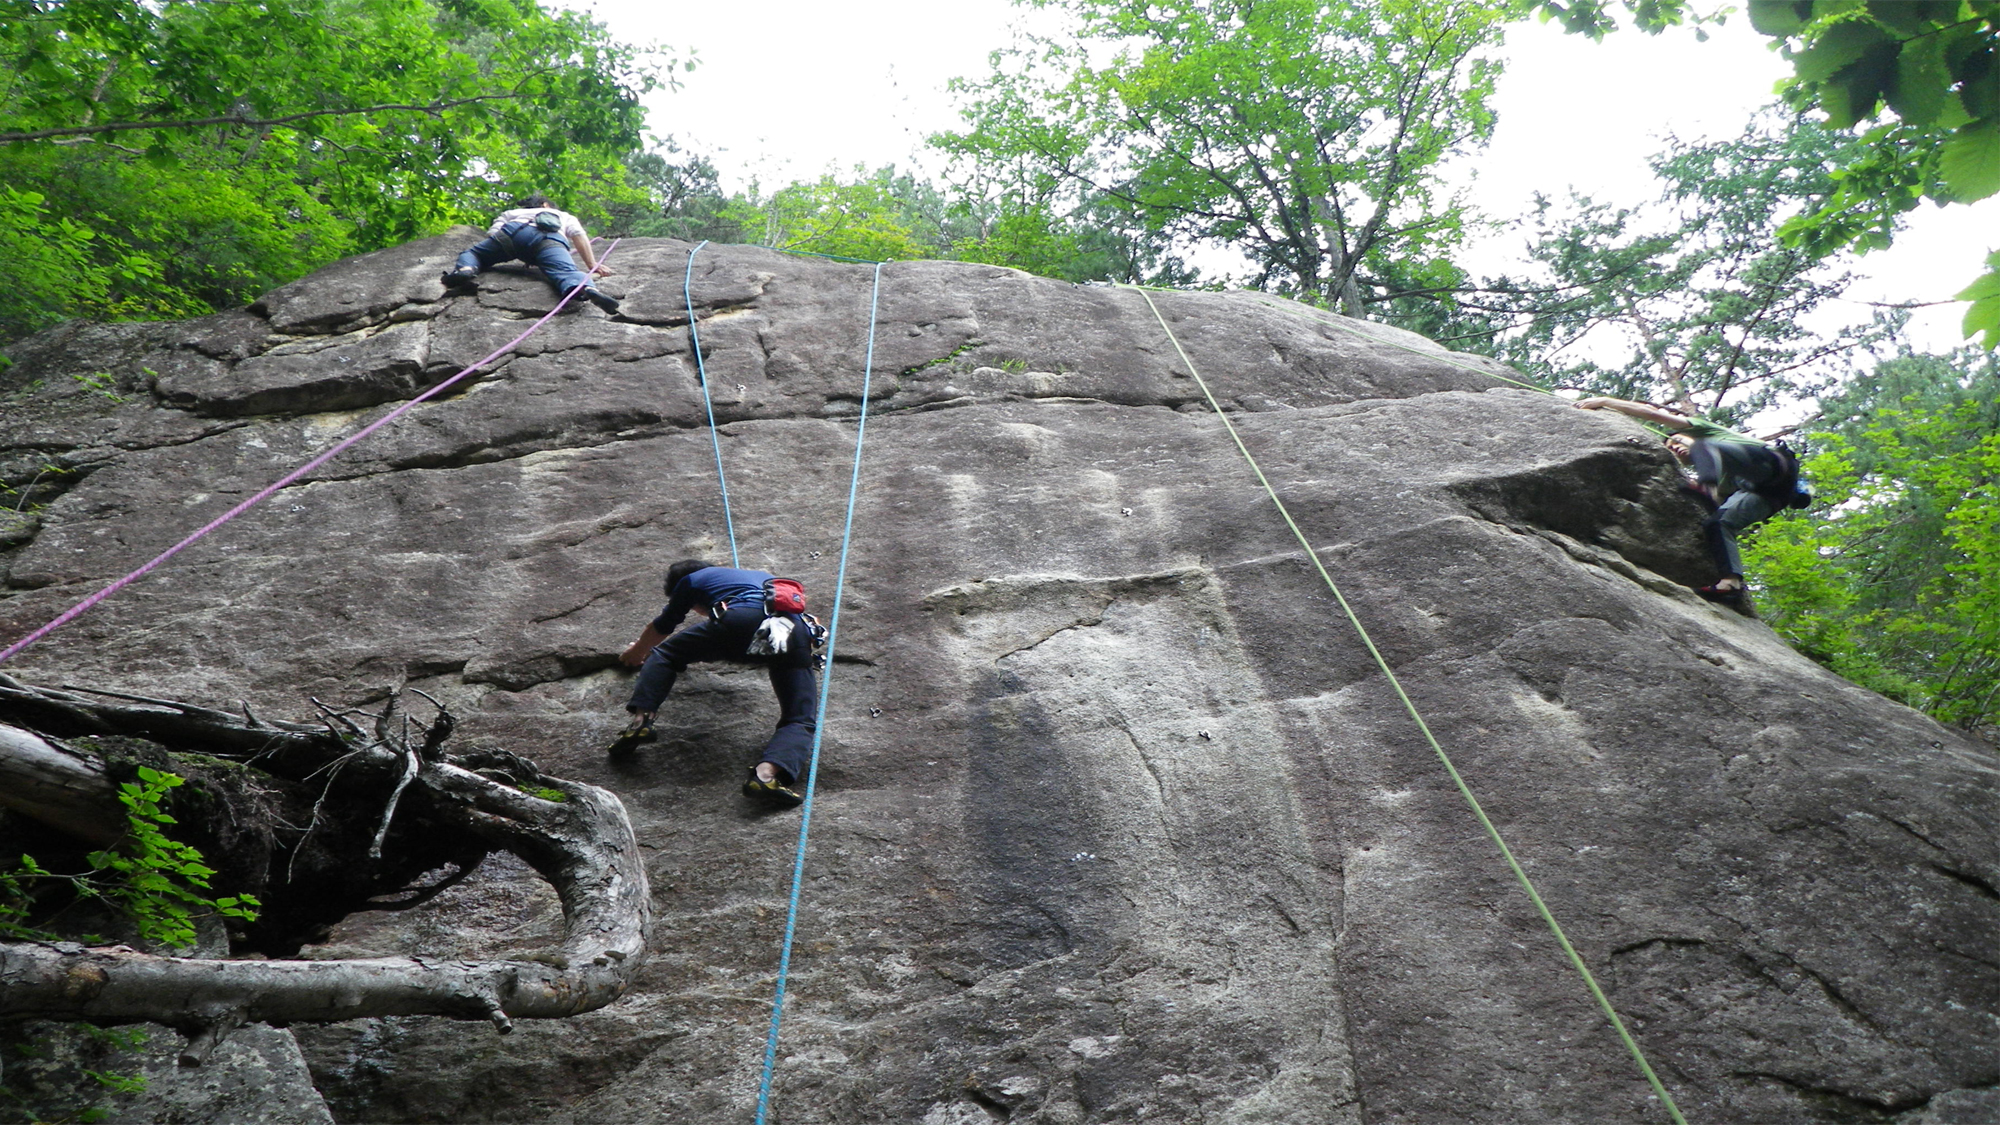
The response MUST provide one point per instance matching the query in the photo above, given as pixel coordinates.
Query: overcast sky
(786, 90)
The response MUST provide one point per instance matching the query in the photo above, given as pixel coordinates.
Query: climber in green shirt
(1742, 481)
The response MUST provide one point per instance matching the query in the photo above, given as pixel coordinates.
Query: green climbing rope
(1478, 811)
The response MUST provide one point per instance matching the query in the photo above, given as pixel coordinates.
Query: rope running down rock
(77, 610)
(701, 375)
(819, 730)
(1478, 811)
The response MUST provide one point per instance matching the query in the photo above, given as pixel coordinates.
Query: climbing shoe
(633, 737)
(460, 279)
(601, 299)
(773, 794)
(1734, 598)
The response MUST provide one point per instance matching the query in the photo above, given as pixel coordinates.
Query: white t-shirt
(571, 229)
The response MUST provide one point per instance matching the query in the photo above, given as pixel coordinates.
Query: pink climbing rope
(77, 610)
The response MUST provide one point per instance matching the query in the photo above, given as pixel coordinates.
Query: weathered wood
(67, 792)
(583, 845)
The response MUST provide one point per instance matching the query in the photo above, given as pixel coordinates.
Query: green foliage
(1031, 240)
(1894, 582)
(1305, 134)
(1590, 17)
(1095, 242)
(59, 1074)
(100, 383)
(172, 158)
(683, 198)
(17, 899)
(1923, 76)
(1982, 319)
(869, 218)
(1691, 301)
(158, 882)
(117, 1084)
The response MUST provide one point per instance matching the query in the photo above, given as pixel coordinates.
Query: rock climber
(537, 233)
(1740, 480)
(734, 626)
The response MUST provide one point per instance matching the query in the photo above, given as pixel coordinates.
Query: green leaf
(1905, 17)
(1982, 319)
(1988, 285)
(1779, 17)
(1837, 47)
(1969, 163)
(1919, 91)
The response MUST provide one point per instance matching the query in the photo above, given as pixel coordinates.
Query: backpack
(548, 221)
(1784, 491)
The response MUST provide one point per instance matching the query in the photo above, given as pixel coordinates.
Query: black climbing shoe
(460, 279)
(601, 299)
(773, 794)
(633, 737)
(1733, 598)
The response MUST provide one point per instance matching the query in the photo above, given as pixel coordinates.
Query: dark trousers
(1739, 469)
(531, 245)
(727, 638)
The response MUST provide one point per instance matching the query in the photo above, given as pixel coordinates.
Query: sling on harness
(784, 599)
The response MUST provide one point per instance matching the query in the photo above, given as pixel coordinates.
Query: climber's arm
(647, 642)
(1645, 412)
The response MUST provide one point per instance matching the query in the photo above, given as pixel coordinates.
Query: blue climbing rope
(819, 730)
(701, 376)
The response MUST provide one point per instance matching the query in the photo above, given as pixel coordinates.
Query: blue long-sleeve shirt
(706, 587)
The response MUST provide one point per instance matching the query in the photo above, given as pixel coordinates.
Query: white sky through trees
(786, 90)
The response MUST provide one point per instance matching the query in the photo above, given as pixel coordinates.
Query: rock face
(1117, 820)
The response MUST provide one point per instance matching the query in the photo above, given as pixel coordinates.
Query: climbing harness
(1464, 790)
(77, 610)
(819, 730)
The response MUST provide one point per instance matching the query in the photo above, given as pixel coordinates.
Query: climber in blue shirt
(733, 626)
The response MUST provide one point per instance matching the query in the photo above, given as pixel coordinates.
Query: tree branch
(583, 845)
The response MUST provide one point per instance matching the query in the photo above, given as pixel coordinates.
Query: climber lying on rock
(538, 234)
(1740, 480)
(748, 616)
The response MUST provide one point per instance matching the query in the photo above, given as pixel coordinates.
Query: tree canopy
(1895, 582)
(1690, 299)
(1305, 134)
(173, 157)
(1919, 78)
